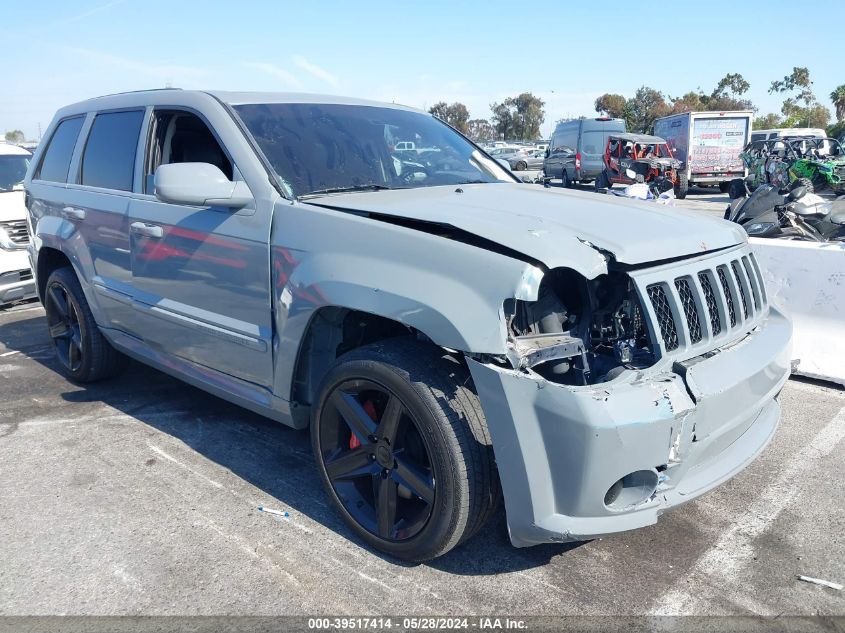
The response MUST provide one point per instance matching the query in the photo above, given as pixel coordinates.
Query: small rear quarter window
(56, 162)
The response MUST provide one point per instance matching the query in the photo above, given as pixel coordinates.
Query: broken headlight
(579, 331)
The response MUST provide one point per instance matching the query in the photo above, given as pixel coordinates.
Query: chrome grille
(17, 231)
(717, 299)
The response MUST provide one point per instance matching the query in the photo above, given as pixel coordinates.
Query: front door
(200, 275)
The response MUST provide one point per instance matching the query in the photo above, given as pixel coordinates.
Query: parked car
(16, 282)
(442, 329)
(559, 162)
(647, 157)
(817, 162)
(588, 137)
(531, 159)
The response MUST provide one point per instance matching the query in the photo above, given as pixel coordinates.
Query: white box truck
(708, 143)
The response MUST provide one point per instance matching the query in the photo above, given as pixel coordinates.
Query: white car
(16, 280)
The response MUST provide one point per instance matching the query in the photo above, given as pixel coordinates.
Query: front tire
(521, 166)
(83, 352)
(403, 448)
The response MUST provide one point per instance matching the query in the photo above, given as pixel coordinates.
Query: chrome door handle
(147, 230)
(72, 213)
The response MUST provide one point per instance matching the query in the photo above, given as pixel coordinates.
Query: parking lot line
(721, 563)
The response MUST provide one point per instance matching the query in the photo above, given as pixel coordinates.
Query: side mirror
(199, 184)
(547, 152)
(798, 193)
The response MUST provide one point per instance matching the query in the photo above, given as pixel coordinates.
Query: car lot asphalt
(141, 495)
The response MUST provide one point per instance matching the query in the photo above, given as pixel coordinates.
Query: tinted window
(56, 162)
(109, 158)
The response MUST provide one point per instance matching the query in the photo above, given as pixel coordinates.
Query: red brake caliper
(370, 408)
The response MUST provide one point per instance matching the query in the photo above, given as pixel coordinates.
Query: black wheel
(403, 449)
(521, 166)
(602, 181)
(565, 178)
(724, 186)
(84, 354)
(736, 188)
(682, 186)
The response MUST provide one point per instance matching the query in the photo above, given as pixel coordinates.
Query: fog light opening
(632, 489)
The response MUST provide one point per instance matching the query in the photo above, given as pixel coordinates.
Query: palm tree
(838, 98)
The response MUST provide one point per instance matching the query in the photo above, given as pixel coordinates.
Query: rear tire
(83, 352)
(440, 431)
(736, 189)
(682, 187)
(565, 181)
(521, 166)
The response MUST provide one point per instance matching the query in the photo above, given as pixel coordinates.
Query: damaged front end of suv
(624, 395)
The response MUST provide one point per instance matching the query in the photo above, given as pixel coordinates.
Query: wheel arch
(331, 332)
(49, 260)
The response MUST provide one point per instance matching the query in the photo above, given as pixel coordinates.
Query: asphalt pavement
(140, 496)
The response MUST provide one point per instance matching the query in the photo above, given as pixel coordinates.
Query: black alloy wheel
(376, 460)
(65, 328)
(403, 449)
(84, 353)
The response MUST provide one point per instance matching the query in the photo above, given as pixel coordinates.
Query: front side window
(56, 162)
(182, 137)
(325, 148)
(12, 170)
(109, 157)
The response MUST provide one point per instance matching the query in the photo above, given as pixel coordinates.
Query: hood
(12, 206)
(554, 226)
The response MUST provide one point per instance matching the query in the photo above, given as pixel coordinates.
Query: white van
(764, 135)
(16, 281)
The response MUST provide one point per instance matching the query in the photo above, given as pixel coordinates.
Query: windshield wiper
(320, 192)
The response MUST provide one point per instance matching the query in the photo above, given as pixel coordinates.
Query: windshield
(323, 148)
(12, 171)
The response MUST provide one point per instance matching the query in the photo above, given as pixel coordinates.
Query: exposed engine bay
(579, 331)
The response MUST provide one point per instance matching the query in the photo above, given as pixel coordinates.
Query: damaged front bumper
(580, 462)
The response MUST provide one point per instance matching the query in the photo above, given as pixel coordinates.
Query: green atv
(817, 163)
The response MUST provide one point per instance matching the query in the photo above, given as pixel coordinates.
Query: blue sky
(416, 53)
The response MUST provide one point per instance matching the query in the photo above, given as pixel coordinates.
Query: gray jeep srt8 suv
(450, 335)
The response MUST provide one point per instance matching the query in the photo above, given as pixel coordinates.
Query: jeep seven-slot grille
(663, 312)
(694, 308)
(17, 231)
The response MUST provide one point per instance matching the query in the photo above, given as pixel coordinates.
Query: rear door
(97, 203)
(200, 275)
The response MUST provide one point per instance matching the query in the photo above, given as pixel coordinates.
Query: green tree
(767, 122)
(15, 136)
(727, 95)
(644, 107)
(838, 98)
(613, 105)
(480, 130)
(799, 89)
(518, 118)
(455, 114)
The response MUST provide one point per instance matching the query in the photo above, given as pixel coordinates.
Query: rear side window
(56, 162)
(109, 157)
(592, 143)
